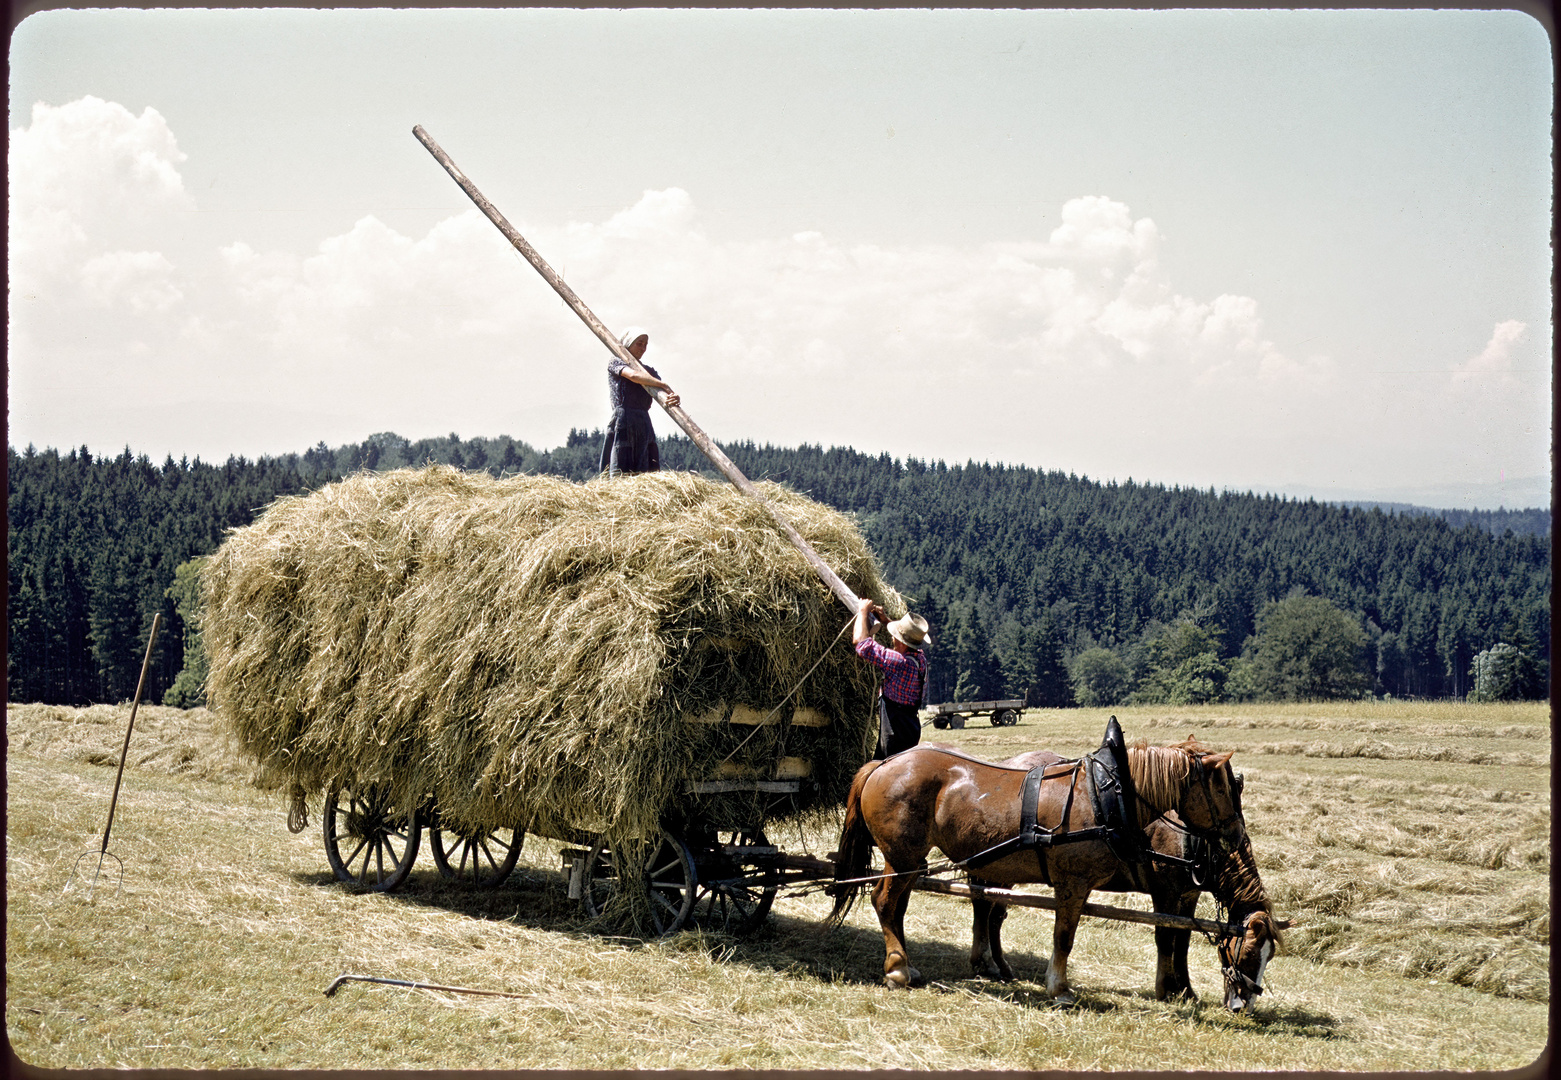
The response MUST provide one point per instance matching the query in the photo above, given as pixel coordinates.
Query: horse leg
(891, 896)
(1181, 981)
(1171, 978)
(995, 936)
(986, 947)
(1070, 906)
(981, 965)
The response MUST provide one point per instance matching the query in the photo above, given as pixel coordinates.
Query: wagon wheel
(1004, 718)
(480, 857)
(370, 841)
(601, 878)
(940, 722)
(735, 891)
(670, 878)
(957, 722)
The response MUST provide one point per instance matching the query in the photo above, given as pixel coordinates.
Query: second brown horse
(932, 797)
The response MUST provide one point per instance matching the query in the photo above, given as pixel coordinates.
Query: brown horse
(932, 797)
(1230, 876)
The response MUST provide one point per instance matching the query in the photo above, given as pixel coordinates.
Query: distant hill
(1534, 522)
(1008, 562)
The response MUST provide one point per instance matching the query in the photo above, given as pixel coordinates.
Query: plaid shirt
(905, 674)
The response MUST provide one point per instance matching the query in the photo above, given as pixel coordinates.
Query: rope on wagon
(761, 724)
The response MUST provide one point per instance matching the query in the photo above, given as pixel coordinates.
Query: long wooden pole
(684, 421)
(1099, 911)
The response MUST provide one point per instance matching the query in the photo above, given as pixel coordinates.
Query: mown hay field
(1410, 841)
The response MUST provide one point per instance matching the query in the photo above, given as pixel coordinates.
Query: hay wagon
(953, 714)
(709, 862)
(643, 669)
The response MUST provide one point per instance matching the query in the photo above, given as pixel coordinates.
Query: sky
(1297, 252)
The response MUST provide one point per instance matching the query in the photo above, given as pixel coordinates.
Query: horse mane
(1238, 885)
(1159, 772)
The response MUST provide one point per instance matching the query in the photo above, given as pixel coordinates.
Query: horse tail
(854, 851)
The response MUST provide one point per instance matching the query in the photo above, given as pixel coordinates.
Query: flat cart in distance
(953, 714)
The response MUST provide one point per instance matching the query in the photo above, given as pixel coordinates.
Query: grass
(1421, 887)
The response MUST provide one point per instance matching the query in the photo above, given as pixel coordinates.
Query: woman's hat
(632, 334)
(911, 629)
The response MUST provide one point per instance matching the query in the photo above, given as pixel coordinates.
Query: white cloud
(83, 177)
(139, 280)
(1492, 367)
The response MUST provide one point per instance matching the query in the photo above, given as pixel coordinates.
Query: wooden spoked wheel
(673, 882)
(482, 858)
(734, 891)
(371, 837)
(668, 874)
(601, 879)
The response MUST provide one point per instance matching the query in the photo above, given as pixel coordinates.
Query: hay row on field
(1364, 748)
(531, 650)
(1354, 725)
(175, 742)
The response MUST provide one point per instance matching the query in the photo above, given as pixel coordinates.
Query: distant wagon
(953, 714)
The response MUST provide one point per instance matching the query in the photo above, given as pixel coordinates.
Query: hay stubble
(229, 928)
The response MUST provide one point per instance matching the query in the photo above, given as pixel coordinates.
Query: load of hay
(540, 653)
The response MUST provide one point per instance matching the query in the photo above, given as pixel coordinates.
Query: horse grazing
(935, 797)
(1231, 876)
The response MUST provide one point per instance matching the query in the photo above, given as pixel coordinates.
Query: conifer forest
(1043, 585)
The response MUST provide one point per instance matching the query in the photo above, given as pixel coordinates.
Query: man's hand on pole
(866, 625)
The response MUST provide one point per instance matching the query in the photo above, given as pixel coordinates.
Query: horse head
(1245, 954)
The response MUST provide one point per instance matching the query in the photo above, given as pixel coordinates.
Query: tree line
(1038, 584)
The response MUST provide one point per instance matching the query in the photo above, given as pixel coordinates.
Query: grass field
(1411, 842)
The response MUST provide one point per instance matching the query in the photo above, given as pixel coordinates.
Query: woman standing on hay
(905, 675)
(630, 446)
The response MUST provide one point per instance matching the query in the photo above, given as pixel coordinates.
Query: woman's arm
(645, 378)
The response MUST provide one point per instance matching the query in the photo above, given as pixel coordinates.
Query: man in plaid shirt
(905, 675)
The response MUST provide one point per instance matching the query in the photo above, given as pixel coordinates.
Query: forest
(1038, 584)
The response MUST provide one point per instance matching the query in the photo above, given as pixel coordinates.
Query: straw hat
(911, 629)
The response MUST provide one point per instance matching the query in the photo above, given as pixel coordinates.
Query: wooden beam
(1015, 898)
(684, 421)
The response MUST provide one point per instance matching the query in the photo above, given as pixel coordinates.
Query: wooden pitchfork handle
(684, 421)
(146, 662)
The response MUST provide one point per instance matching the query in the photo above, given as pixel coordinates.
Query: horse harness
(1115, 801)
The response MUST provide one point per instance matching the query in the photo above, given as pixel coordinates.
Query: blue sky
(1291, 251)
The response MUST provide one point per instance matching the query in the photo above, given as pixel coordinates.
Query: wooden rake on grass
(102, 853)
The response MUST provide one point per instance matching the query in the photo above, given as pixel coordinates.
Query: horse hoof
(1065, 998)
(903, 980)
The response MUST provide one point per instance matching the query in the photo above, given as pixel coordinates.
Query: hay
(538, 652)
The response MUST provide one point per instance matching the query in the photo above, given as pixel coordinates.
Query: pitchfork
(103, 852)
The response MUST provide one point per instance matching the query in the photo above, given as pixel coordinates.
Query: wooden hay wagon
(953, 714)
